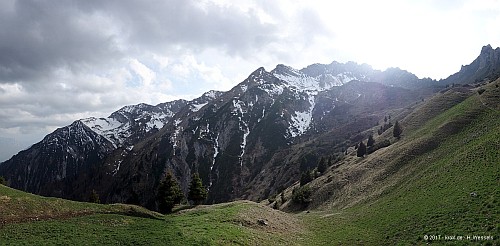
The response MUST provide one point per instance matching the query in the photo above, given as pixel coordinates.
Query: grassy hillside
(28, 219)
(17, 206)
(441, 179)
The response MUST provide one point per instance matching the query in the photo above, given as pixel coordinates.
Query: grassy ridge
(111, 229)
(18, 206)
(33, 220)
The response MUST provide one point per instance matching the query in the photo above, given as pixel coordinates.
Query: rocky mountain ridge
(485, 67)
(245, 143)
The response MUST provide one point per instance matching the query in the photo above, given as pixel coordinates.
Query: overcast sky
(65, 60)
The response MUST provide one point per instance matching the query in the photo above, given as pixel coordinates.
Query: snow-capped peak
(296, 78)
(212, 94)
(132, 120)
(305, 82)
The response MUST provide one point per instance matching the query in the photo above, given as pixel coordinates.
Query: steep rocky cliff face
(485, 66)
(245, 143)
(55, 165)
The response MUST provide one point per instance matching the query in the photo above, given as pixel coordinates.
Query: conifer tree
(306, 177)
(94, 197)
(371, 141)
(322, 165)
(169, 194)
(197, 192)
(2, 181)
(361, 150)
(397, 130)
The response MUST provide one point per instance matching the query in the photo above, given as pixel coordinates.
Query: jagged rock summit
(485, 66)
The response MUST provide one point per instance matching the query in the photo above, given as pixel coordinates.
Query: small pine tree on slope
(169, 194)
(396, 132)
(361, 150)
(197, 192)
(371, 141)
(322, 166)
(94, 197)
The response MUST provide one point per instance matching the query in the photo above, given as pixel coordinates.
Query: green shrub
(361, 150)
(94, 197)
(322, 166)
(302, 195)
(382, 144)
(306, 177)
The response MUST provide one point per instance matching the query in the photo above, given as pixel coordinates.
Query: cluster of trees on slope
(301, 195)
(370, 147)
(310, 174)
(170, 193)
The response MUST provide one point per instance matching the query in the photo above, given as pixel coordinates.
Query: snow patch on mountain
(272, 89)
(297, 79)
(243, 126)
(120, 125)
(117, 168)
(337, 80)
(304, 82)
(237, 107)
(111, 129)
(263, 115)
(301, 121)
(212, 94)
(157, 121)
(178, 129)
(216, 151)
(133, 108)
(197, 107)
(246, 132)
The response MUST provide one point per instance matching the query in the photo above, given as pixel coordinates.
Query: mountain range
(247, 143)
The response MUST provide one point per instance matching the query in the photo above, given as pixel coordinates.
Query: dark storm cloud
(159, 24)
(37, 37)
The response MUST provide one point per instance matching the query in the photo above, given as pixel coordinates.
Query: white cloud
(147, 75)
(163, 61)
